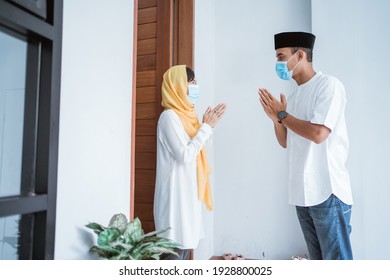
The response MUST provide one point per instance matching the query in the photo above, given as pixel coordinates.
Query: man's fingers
(283, 99)
(268, 94)
(263, 103)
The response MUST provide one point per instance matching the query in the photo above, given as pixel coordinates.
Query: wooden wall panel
(145, 144)
(142, 4)
(146, 62)
(184, 32)
(146, 78)
(146, 115)
(146, 46)
(145, 177)
(145, 111)
(147, 15)
(147, 30)
(145, 161)
(146, 95)
(144, 193)
(145, 211)
(146, 127)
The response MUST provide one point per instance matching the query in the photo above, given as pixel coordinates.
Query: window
(30, 55)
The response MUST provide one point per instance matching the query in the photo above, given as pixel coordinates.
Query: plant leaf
(156, 232)
(118, 221)
(133, 232)
(101, 252)
(96, 227)
(108, 236)
(125, 246)
(155, 256)
(160, 250)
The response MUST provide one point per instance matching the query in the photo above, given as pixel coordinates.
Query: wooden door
(158, 23)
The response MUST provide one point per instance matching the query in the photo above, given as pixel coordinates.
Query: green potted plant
(123, 240)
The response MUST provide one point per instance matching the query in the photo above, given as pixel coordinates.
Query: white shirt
(318, 170)
(176, 203)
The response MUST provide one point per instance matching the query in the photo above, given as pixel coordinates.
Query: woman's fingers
(220, 107)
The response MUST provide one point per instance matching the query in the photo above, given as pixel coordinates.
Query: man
(311, 125)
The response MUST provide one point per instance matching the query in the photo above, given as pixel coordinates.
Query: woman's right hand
(212, 116)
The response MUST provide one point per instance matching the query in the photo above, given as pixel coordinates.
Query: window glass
(9, 236)
(13, 55)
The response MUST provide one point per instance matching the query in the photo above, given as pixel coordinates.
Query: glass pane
(13, 55)
(38, 7)
(9, 235)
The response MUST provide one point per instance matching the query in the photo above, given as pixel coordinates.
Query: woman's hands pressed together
(212, 116)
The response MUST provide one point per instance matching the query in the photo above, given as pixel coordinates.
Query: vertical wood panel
(164, 45)
(184, 32)
(146, 62)
(146, 95)
(145, 177)
(146, 3)
(146, 46)
(145, 111)
(146, 78)
(148, 30)
(145, 144)
(146, 127)
(147, 15)
(146, 161)
(145, 194)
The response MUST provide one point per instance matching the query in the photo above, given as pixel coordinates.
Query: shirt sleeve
(175, 138)
(330, 104)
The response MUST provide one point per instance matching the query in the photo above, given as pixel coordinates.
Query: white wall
(352, 44)
(205, 74)
(251, 216)
(94, 144)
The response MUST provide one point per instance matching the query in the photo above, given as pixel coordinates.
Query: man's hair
(309, 52)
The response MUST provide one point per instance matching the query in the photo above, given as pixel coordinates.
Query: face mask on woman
(193, 93)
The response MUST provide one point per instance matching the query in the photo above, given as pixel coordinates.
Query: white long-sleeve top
(176, 203)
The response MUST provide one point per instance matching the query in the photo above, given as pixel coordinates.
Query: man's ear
(302, 55)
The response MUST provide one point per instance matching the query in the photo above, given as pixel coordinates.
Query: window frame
(37, 202)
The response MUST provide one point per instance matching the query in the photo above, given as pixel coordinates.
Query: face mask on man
(193, 93)
(282, 69)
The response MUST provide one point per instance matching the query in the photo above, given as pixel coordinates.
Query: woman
(182, 182)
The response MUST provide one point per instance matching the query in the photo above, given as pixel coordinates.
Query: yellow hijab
(174, 96)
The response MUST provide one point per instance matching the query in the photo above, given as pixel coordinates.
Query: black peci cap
(294, 39)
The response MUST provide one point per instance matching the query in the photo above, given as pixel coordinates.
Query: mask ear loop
(297, 63)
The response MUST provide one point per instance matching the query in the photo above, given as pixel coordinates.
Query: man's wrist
(281, 116)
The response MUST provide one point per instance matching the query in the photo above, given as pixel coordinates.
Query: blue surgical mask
(193, 93)
(282, 69)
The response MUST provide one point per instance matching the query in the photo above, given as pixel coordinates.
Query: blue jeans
(326, 228)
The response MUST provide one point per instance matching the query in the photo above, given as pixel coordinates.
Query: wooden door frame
(133, 110)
